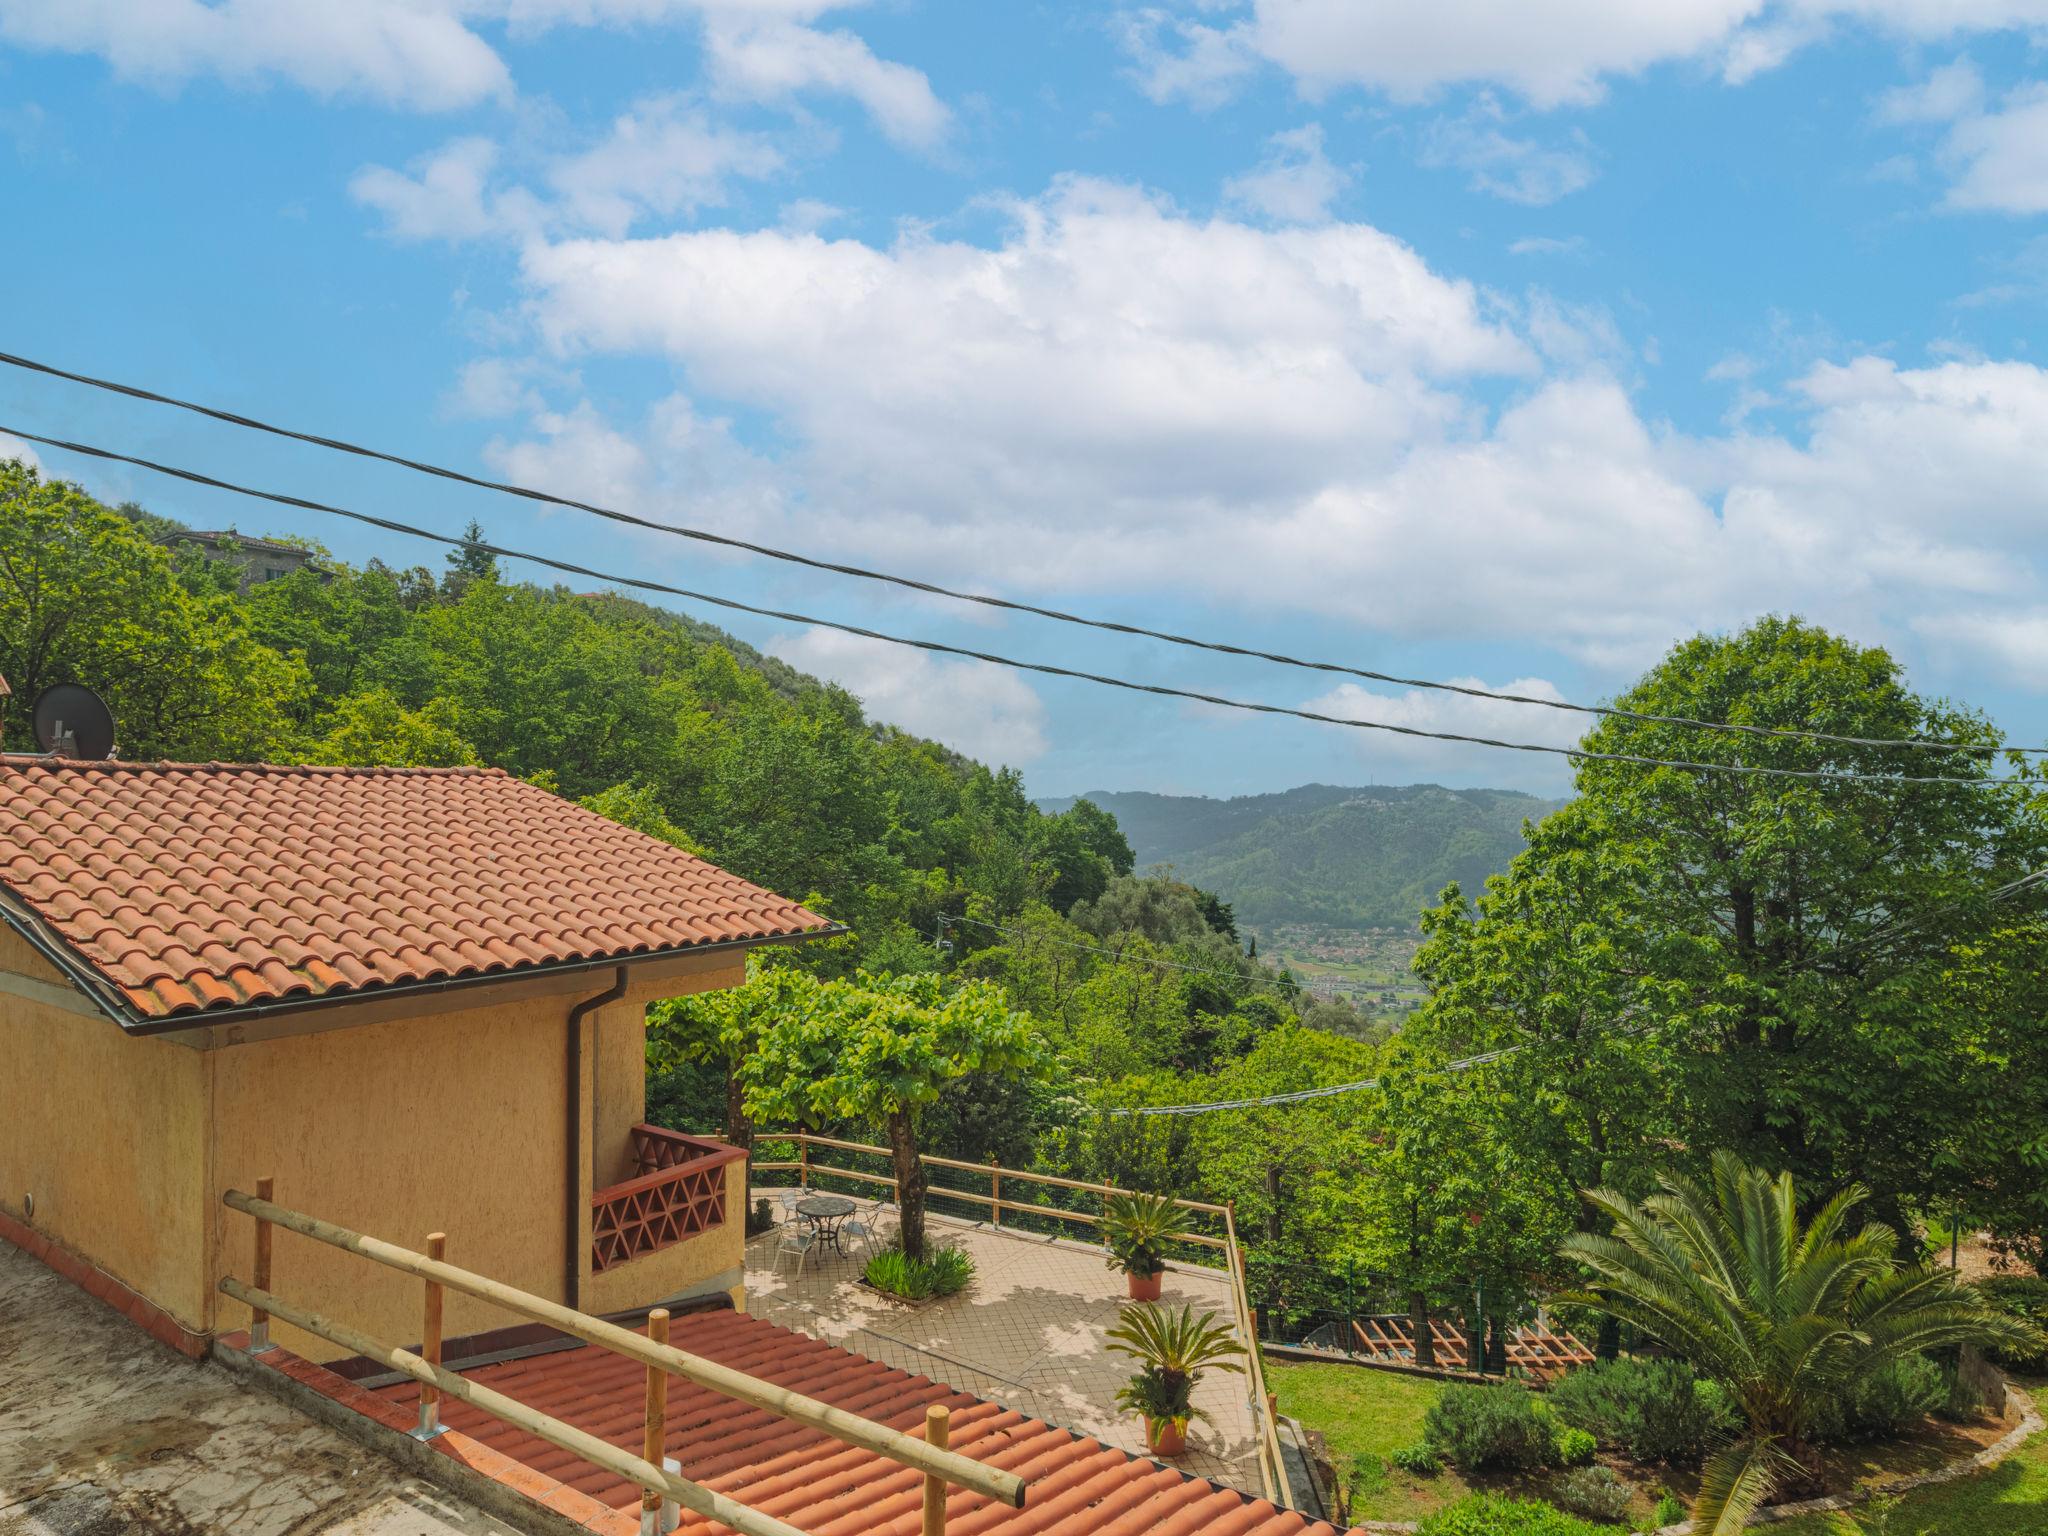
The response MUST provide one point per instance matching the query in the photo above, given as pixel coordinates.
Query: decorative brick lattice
(677, 1191)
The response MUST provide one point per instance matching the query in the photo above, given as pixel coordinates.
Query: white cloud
(777, 60)
(1520, 170)
(1118, 398)
(1996, 155)
(1549, 53)
(429, 55)
(985, 711)
(14, 448)
(1295, 183)
(1391, 753)
(447, 196)
(663, 156)
(2014, 641)
(403, 52)
(1946, 94)
(2003, 155)
(1548, 245)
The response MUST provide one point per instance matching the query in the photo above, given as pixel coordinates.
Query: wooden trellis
(1539, 1351)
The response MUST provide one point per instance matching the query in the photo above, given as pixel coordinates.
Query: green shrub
(940, 1273)
(1478, 1427)
(1575, 1447)
(1883, 1405)
(1654, 1410)
(1418, 1459)
(1487, 1514)
(2026, 1298)
(1594, 1492)
(1670, 1510)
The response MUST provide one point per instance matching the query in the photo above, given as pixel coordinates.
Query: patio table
(825, 1214)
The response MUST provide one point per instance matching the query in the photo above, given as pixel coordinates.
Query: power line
(1114, 626)
(1161, 690)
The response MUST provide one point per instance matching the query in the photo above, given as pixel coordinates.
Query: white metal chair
(798, 1243)
(863, 1228)
(789, 1198)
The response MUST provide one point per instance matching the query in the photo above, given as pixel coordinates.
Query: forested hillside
(1321, 854)
(1869, 1011)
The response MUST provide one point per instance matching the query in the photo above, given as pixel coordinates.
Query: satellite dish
(71, 721)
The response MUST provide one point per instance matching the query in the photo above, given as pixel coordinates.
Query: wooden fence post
(259, 1321)
(995, 1190)
(430, 1342)
(937, 1434)
(657, 1420)
(803, 1165)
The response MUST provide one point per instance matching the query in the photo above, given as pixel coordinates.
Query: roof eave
(110, 1000)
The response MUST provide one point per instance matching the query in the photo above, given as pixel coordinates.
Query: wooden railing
(677, 1191)
(941, 1467)
(1272, 1471)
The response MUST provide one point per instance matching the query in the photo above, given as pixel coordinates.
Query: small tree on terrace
(879, 1049)
(725, 1027)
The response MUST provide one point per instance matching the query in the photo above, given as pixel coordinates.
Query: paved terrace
(1030, 1332)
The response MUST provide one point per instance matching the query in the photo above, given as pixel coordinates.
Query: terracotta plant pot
(1165, 1437)
(1146, 1287)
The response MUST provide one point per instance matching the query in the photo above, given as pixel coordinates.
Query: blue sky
(1483, 340)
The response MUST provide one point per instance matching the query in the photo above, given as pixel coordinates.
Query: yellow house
(413, 997)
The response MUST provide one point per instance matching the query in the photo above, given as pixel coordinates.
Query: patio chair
(864, 1227)
(793, 1242)
(788, 1199)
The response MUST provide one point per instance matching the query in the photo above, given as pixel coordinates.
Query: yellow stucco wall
(453, 1123)
(415, 1117)
(107, 1133)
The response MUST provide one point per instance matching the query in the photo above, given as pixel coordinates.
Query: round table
(824, 1214)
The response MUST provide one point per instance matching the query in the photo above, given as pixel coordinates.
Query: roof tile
(195, 886)
(1078, 1486)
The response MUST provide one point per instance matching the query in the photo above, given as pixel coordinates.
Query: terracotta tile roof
(1078, 1486)
(200, 886)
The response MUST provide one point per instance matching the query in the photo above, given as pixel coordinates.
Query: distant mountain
(1322, 854)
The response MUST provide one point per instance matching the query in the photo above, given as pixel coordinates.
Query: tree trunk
(1607, 1344)
(909, 1181)
(1418, 1323)
(1809, 1481)
(1273, 1205)
(739, 1129)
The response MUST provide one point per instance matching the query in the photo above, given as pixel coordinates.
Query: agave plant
(1783, 1316)
(1137, 1228)
(1173, 1348)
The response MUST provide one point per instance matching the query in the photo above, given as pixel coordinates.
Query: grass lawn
(1364, 1416)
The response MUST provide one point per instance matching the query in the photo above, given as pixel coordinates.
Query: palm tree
(1783, 1316)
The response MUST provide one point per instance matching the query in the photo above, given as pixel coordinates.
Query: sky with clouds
(1498, 342)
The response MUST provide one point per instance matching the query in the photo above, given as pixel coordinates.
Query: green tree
(373, 728)
(469, 562)
(1702, 960)
(1784, 1316)
(878, 1050)
(87, 597)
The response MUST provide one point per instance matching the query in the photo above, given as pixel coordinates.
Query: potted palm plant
(1174, 1349)
(1137, 1228)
